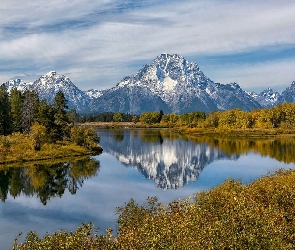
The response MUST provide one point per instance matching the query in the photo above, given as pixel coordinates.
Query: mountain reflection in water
(46, 180)
(173, 160)
(166, 158)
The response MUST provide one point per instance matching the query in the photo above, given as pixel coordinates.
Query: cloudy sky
(97, 43)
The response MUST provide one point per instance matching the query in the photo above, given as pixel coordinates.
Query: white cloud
(256, 76)
(110, 42)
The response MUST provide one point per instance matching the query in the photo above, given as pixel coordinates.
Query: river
(48, 196)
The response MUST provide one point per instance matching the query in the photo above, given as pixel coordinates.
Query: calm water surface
(46, 197)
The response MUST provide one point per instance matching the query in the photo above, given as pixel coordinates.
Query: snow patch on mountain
(18, 84)
(94, 93)
(169, 84)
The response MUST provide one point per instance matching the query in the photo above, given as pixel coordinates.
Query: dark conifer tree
(29, 110)
(45, 116)
(61, 120)
(16, 106)
(73, 116)
(5, 115)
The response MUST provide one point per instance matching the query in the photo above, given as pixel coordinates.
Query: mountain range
(170, 83)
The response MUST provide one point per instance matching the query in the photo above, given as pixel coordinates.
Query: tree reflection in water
(46, 180)
(281, 149)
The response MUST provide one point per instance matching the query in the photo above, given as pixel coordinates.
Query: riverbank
(259, 133)
(21, 148)
(43, 162)
(49, 152)
(121, 125)
(235, 133)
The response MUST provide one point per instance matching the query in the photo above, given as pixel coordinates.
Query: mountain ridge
(170, 83)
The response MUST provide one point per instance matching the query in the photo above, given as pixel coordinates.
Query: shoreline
(30, 163)
(232, 133)
(60, 152)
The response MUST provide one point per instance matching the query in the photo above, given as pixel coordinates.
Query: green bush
(86, 137)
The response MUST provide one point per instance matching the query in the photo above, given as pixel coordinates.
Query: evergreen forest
(32, 129)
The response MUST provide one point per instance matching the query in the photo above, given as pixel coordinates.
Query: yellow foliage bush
(260, 215)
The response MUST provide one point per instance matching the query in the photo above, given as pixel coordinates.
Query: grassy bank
(259, 215)
(21, 148)
(251, 133)
(255, 132)
(110, 125)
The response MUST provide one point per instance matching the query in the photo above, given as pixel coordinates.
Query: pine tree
(16, 106)
(45, 117)
(28, 110)
(73, 116)
(61, 120)
(5, 118)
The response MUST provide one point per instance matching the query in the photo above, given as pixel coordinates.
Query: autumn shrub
(260, 215)
(83, 238)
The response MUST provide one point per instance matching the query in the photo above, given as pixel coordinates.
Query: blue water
(131, 167)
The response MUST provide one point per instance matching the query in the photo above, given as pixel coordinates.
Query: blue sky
(98, 43)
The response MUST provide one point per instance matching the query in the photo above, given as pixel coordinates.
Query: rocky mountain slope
(269, 97)
(49, 84)
(170, 83)
(288, 95)
(173, 84)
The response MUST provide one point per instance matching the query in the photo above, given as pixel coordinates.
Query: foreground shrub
(260, 215)
(83, 238)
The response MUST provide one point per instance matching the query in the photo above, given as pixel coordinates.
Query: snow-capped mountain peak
(170, 83)
(49, 84)
(267, 98)
(173, 84)
(50, 74)
(18, 84)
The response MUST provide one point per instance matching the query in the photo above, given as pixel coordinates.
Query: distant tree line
(281, 116)
(190, 119)
(108, 117)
